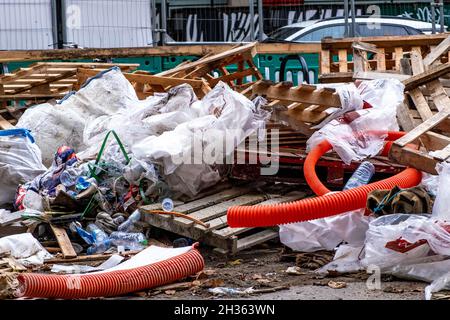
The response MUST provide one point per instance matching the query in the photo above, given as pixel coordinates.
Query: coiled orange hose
(114, 283)
(324, 205)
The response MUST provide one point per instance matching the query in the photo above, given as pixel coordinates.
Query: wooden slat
(437, 52)
(255, 239)
(220, 209)
(228, 232)
(343, 60)
(431, 74)
(64, 242)
(325, 61)
(381, 59)
(318, 97)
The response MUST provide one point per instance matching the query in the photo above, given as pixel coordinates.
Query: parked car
(315, 30)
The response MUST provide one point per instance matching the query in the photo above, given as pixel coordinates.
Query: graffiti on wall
(425, 14)
(235, 24)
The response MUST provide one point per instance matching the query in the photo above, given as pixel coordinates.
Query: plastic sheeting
(20, 162)
(25, 248)
(327, 233)
(63, 123)
(361, 134)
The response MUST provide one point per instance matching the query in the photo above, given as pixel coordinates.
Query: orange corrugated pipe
(108, 284)
(324, 205)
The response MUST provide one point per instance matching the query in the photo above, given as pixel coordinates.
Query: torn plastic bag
(63, 123)
(326, 233)
(350, 100)
(361, 133)
(152, 116)
(397, 238)
(430, 182)
(25, 248)
(382, 93)
(357, 135)
(441, 207)
(20, 162)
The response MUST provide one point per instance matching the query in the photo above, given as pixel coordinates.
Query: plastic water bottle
(82, 183)
(98, 234)
(167, 205)
(128, 224)
(75, 227)
(130, 241)
(99, 247)
(361, 176)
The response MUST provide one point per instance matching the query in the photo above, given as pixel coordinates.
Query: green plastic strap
(102, 149)
(87, 209)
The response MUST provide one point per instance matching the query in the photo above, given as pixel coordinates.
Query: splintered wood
(202, 74)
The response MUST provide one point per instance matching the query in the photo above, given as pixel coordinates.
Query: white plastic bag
(398, 238)
(63, 123)
(25, 248)
(346, 259)
(350, 100)
(326, 233)
(441, 206)
(361, 134)
(20, 162)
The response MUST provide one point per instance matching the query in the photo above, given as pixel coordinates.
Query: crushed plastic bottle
(167, 205)
(129, 223)
(98, 234)
(129, 241)
(99, 247)
(75, 227)
(361, 176)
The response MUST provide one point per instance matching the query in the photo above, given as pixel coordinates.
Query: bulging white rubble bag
(25, 248)
(20, 162)
(63, 123)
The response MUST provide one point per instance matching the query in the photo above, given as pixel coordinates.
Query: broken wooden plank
(437, 52)
(64, 242)
(432, 73)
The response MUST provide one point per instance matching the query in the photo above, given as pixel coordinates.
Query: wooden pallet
(212, 209)
(337, 57)
(302, 107)
(46, 80)
(430, 130)
(204, 68)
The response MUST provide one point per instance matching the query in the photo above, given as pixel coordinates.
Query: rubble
(106, 182)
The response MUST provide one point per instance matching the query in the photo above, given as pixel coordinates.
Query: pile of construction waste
(82, 175)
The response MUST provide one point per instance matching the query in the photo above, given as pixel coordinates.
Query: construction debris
(125, 173)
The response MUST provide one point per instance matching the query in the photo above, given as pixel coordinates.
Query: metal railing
(45, 24)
